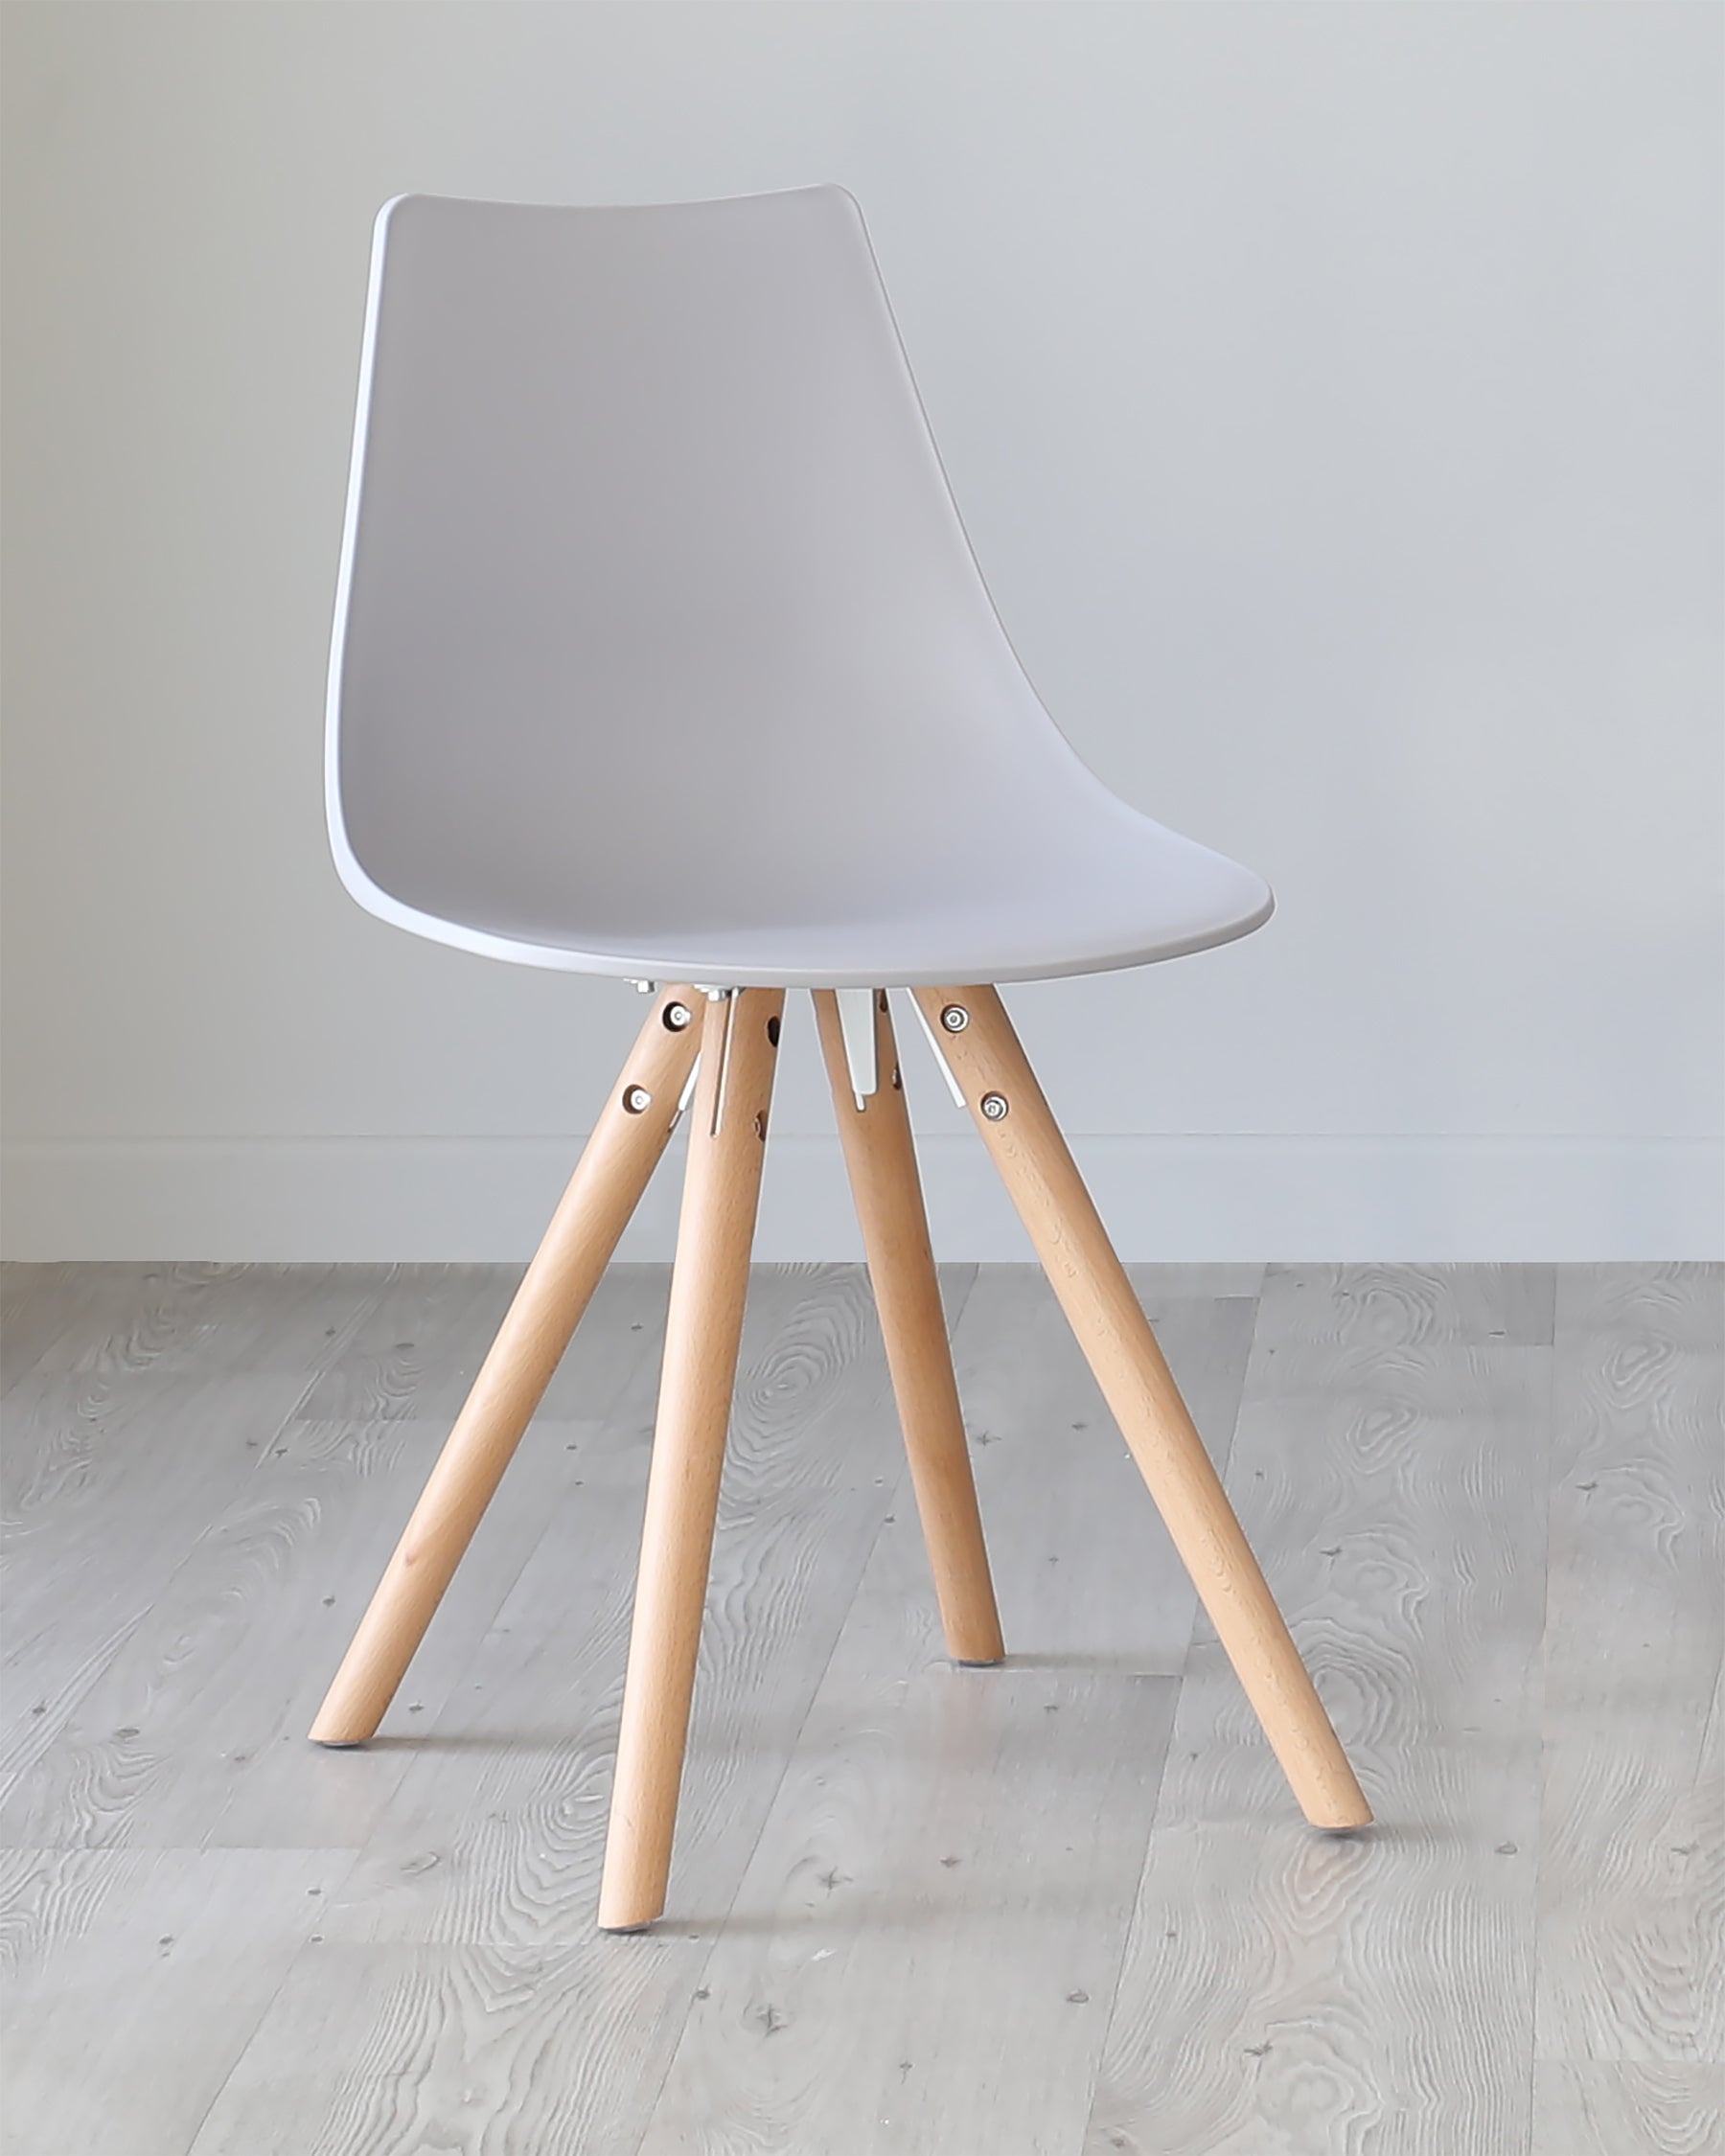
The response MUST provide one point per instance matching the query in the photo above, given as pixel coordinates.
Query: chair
(660, 653)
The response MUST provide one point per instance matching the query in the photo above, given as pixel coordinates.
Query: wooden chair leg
(880, 1153)
(614, 1171)
(986, 1058)
(703, 1330)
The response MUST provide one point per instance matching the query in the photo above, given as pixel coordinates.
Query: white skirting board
(1164, 1199)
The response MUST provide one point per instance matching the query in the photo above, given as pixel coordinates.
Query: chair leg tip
(1351, 1823)
(337, 1728)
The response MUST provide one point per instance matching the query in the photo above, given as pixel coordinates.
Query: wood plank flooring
(1062, 1909)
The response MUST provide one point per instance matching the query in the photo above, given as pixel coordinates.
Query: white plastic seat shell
(660, 648)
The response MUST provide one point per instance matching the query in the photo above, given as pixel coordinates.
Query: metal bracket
(688, 1092)
(857, 1023)
(945, 1069)
(729, 999)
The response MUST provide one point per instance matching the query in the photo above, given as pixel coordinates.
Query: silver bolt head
(677, 1015)
(637, 1099)
(954, 1017)
(994, 1107)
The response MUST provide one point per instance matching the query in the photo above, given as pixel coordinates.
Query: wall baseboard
(1165, 1198)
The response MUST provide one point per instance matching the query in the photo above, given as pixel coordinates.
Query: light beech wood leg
(986, 1058)
(615, 1168)
(880, 1153)
(709, 1284)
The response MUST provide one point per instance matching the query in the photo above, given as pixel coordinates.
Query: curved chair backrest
(653, 590)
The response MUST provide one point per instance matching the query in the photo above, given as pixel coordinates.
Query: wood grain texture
(194, 1730)
(628, 1140)
(1158, 1286)
(134, 1980)
(1616, 2108)
(703, 1337)
(523, 1750)
(97, 1510)
(1029, 1151)
(1409, 1305)
(1402, 1436)
(880, 1156)
(919, 1955)
(112, 1480)
(488, 1858)
(37, 1304)
(134, 1326)
(189, 1728)
(1093, 1577)
(462, 2050)
(418, 1347)
(210, 1319)
(1632, 1869)
(1371, 1994)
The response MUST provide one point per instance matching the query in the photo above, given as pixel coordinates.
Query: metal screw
(954, 1017)
(994, 1107)
(677, 1015)
(637, 1099)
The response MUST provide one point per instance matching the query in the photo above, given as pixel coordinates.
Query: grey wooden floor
(1065, 1907)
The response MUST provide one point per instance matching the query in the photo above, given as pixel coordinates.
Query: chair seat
(1107, 889)
(660, 649)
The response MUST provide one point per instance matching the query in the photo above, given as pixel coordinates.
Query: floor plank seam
(1531, 2113)
(1152, 1812)
(345, 1334)
(241, 2055)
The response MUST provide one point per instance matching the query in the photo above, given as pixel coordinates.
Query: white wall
(1333, 393)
